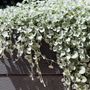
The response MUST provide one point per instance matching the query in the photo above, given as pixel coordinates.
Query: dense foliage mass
(64, 25)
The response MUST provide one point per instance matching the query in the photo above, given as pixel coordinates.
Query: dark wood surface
(15, 76)
(8, 66)
(25, 83)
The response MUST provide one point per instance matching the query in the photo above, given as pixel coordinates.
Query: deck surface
(15, 76)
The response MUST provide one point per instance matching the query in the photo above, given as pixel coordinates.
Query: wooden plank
(7, 66)
(22, 66)
(25, 83)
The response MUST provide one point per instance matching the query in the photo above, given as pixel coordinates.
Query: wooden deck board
(15, 76)
(25, 83)
(20, 67)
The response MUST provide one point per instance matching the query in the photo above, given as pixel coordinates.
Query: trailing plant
(64, 25)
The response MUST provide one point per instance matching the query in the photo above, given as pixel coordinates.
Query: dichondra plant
(65, 25)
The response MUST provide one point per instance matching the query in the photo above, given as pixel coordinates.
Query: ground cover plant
(64, 25)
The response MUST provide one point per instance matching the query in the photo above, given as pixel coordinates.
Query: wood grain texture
(25, 83)
(23, 67)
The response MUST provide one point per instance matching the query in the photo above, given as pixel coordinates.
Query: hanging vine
(64, 25)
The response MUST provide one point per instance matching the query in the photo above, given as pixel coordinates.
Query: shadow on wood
(17, 75)
(25, 83)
